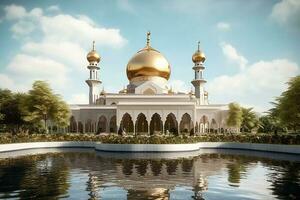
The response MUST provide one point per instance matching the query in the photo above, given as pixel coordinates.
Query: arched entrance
(127, 123)
(73, 125)
(156, 124)
(213, 126)
(80, 127)
(171, 124)
(204, 124)
(141, 125)
(113, 124)
(88, 126)
(186, 124)
(102, 124)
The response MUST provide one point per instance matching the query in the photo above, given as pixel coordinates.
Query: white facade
(147, 106)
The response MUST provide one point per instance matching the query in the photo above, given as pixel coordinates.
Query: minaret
(93, 81)
(198, 82)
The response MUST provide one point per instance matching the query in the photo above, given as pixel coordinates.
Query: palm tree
(249, 119)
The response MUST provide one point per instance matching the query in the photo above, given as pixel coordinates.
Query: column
(134, 133)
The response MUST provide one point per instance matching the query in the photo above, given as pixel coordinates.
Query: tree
(11, 109)
(249, 119)
(234, 116)
(44, 105)
(269, 123)
(5, 96)
(288, 107)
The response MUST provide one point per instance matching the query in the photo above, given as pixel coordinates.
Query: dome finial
(94, 45)
(198, 45)
(148, 38)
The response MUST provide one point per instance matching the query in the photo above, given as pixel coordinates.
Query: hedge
(115, 139)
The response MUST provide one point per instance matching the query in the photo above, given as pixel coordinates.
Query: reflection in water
(87, 175)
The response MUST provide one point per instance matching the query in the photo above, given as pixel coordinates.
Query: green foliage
(268, 124)
(22, 111)
(234, 116)
(249, 119)
(12, 109)
(116, 139)
(288, 107)
(42, 104)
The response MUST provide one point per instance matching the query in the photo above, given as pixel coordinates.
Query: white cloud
(287, 12)
(257, 85)
(223, 26)
(22, 28)
(62, 44)
(53, 8)
(67, 52)
(233, 56)
(78, 99)
(8, 83)
(68, 28)
(38, 68)
(14, 12)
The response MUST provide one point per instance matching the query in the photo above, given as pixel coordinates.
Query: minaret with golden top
(198, 82)
(93, 82)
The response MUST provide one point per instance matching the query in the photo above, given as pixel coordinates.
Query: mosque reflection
(51, 174)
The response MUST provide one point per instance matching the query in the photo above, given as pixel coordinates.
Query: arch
(213, 126)
(102, 121)
(149, 91)
(141, 124)
(113, 103)
(127, 123)
(171, 124)
(80, 127)
(186, 124)
(156, 124)
(73, 125)
(204, 124)
(113, 124)
(88, 126)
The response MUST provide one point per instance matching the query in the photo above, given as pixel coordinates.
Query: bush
(155, 139)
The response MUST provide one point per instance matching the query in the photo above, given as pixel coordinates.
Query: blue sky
(251, 47)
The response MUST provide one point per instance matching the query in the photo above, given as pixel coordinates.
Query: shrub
(6, 138)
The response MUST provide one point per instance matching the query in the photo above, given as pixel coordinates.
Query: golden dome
(93, 56)
(198, 56)
(148, 62)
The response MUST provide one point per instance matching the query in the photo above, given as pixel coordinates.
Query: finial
(94, 45)
(198, 45)
(148, 38)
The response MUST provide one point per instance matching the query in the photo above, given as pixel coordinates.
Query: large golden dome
(148, 62)
(93, 56)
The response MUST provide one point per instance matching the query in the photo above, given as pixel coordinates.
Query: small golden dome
(148, 62)
(205, 93)
(93, 56)
(102, 93)
(123, 91)
(198, 56)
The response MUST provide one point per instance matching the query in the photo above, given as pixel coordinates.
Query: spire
(148, 38)
(94, 45)
(198, 45)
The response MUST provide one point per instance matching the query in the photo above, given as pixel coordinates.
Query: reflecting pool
(209, 174)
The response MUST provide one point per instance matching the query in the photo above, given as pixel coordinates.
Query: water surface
(86, 174)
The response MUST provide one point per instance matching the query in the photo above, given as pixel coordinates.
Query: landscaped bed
(115, 139)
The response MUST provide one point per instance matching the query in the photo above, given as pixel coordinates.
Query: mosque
(147, 105)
